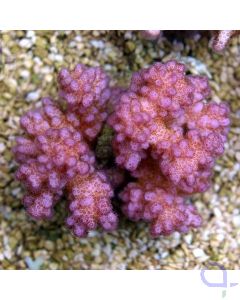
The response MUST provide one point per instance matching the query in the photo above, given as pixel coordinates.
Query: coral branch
(55, 154)
(90, 204)
(221, 38)
(86, 92)
(166, 212)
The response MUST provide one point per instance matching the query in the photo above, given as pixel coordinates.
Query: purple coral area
(86, 91)
(167, 136)
(221, 38)
(165, 211)
(55, 156)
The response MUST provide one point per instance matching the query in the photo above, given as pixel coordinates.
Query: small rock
(8, 254)
(12, 84)
(16, 191)
(34, 264)
(30, 34)
(25, 43)
(220, 237)
(49, 245)
(56, 57)
(133, 253)
(198, 253)
(130, 46)
(188, 239)
(236, 221)
(165, 254)
(217, 212)
(97, 44)
(2, 147)
(33, 96)
(25, 74)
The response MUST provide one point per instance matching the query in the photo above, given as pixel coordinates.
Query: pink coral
(55, 156)
(221, 38)
(89, 204)
(52, 153)
(163, 116)
(154, 199)
(166, 212)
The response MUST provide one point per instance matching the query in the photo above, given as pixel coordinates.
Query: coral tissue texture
(168, 137)
(55, 154)
(86, 92)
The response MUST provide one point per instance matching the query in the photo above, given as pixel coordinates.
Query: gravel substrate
(30, 61)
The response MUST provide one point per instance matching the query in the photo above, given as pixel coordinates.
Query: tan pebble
(49, 245)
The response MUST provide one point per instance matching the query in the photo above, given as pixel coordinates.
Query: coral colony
(167, 136)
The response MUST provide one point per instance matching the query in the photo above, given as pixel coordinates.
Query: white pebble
(236, 221)
(46, 70)
(30, 34)
(206, 235)
(97, 44)
(37, 61)
(217, 212)
(16, 191)
(188, 239)
(24, 74)
(56, 57)
(198, 253)
(33, 96)
(78, 38)
(25, 43)
(53, 50)
(96, 252)
(2, 147)
(8, 254)
(72, 44)
(220, 237)
(165, 254)
(133, 253)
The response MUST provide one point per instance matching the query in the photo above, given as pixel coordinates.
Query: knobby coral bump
(166, 135)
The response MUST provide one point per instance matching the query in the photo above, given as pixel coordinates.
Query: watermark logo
(223, 283)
